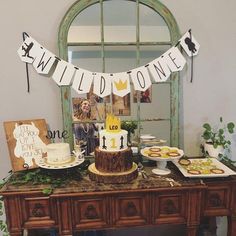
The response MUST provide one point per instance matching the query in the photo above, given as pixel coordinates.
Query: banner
(104, 84)
(63, 73)
(82, 81)
(159, 70)
(174, 59)
(28, 50)
(44, 61)
(141, 78)
(120, 84)
(189, 44)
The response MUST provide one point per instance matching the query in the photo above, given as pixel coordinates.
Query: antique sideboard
(85, 205)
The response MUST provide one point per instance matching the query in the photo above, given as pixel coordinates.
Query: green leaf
(207, 126)
(230, 127)
(221, 131)
(206, 135)
(47, 191)
(221, 119)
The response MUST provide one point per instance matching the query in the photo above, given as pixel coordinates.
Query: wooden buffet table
(85, 205)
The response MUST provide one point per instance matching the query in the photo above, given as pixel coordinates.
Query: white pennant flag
(174, 59)
(141, 78)
(82, 81)
(63, 73)
(44, 62)
(102, 84)
(159, 70)
(120, 84)
(189, 44)
(29, 50)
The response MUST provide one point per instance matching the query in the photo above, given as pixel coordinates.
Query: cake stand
(161, 162)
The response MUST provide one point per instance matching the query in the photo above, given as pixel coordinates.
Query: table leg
(18, 233)
(231, 225)
(192, 230)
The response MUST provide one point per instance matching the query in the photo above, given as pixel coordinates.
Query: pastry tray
(218, 164)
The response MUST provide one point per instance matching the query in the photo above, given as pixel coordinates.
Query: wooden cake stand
(111, 178)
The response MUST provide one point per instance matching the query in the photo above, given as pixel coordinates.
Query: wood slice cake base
(112, 178)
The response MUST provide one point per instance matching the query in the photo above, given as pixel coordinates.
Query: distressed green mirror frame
(157, 6)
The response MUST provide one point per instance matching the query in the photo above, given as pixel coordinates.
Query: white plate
(75, 161)
(147, 137)
(162, 158)
(218, 164)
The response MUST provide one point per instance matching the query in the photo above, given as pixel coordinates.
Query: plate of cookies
(162, 153)
(203, 167)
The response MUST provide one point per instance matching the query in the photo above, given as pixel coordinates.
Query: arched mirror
(116, 36)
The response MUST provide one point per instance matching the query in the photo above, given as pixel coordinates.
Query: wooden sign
(26, 141)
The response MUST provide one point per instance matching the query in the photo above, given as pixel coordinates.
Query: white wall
(211, 95)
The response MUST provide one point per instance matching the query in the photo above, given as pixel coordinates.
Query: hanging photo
(97, 110)
(145, 96)
(121, 105)
(86, 131)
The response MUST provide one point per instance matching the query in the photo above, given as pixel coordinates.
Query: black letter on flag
(102, 83)
(139, 72)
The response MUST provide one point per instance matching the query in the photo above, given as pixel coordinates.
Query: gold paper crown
(112, 124)
(121, 85)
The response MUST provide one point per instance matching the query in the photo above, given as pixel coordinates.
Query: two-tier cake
(113, 158)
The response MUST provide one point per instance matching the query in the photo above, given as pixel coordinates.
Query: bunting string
(81, 80)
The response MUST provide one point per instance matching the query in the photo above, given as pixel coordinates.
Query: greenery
(3, 225)
(130, 126)
(217, 135)
(51, 178)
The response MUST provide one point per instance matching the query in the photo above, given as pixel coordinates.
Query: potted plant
(129, 126)
(216, 138)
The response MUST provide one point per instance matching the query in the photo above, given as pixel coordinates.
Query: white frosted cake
(58, 153)
(113, 154)
(113, 141)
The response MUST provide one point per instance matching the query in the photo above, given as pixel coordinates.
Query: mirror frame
(65, 24)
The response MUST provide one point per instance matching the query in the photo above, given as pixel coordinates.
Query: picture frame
(145, 97)
(121, 105)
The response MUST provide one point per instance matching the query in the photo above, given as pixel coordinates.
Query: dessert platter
(162, 154)
(113, 158)
(60, 157)
(203, 168)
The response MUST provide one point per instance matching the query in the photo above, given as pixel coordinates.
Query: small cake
(58, 153)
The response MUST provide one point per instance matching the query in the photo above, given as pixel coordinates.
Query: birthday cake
(58, 153)
(113, 157)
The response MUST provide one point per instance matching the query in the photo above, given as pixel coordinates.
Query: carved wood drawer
(169, 207)
(217, 200)
(90, 212)
(129, 210)
(38, 210)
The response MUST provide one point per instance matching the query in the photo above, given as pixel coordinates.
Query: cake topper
(112, 124)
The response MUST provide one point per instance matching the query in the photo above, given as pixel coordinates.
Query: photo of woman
(85, 132)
